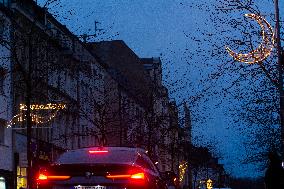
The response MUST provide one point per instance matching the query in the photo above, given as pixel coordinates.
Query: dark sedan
(101, 168)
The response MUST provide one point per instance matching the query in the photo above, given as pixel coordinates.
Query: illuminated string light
(35, 118)
(182, 169)
(43, 106)
(263, 50)
(21, 117)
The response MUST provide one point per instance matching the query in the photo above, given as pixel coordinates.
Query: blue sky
(159, 28)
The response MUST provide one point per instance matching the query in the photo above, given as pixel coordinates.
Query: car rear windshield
(110, 157)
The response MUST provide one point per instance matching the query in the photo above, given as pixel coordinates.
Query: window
(2, 131)
(1, 85)
(5, 2)
(21, 177)
(49, 25)
(59, 80)
(2, 78)
(2, 26)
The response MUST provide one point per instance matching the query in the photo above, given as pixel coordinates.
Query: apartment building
(50, 69)
(141, 107)
(78, 94)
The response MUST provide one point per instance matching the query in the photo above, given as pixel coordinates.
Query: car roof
(112, 155)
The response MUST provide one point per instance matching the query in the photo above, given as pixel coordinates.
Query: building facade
(78, 95)
(140, 108)
(6, 138)
(50, 71)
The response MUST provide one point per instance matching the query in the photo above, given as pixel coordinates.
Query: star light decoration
(263, 50)
(37, 119)
(182, 169)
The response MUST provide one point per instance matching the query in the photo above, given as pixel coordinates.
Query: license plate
(90, 187)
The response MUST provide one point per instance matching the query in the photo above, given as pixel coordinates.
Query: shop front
(6, 179)
(42, 154)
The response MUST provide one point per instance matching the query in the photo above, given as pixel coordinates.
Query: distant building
(187, 123)
(127, 93)
(166, 118)
(206, 168)
(142, 103)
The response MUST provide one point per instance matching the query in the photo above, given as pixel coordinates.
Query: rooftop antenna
(85, 37)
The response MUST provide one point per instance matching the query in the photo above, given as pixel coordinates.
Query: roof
(114, 155)
(154, 60)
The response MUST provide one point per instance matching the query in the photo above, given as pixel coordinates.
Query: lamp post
(280, 72)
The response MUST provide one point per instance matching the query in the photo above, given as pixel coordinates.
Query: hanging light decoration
(36, 118)
(263, 50)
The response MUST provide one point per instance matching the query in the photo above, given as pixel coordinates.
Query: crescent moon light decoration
(263, 50)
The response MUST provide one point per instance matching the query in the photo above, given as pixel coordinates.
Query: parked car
(101, 168)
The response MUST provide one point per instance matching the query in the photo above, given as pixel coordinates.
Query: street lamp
(280, 73)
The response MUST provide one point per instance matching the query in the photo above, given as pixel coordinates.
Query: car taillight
(137, 176)
(118, 176)
(44, 177)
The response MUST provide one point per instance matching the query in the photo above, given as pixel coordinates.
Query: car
(101, 168)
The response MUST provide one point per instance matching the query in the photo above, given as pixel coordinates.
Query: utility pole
(28, 115)
(188, 135)
(280, 72)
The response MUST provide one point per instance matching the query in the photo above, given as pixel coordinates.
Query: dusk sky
(165, 28)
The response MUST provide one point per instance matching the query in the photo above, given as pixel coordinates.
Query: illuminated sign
(43, 106)
(35, 118)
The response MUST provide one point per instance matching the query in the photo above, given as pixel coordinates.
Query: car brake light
(98, 151)
(43, 177)
(118, 176)
(58, 177)
(138, 176)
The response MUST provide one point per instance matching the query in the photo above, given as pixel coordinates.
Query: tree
(252, 89)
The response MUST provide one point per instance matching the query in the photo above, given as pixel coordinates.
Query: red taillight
(137, 176)
(98, 151)
(55, 177)
(118, 176)
(44, 177)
